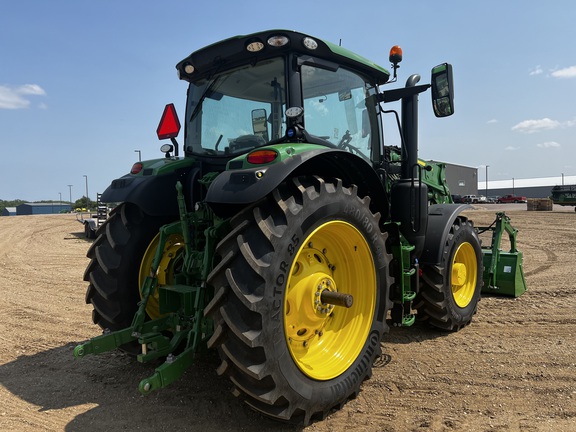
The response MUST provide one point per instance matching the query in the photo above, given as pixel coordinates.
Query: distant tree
(84, 203)
(8, 203)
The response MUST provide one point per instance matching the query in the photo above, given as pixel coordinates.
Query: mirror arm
(175, 146)
(401, 93)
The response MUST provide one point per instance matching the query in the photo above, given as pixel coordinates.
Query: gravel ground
(513, 369)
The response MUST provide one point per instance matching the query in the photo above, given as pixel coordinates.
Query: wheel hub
(326, 284)
(305, 298)
(458, 274)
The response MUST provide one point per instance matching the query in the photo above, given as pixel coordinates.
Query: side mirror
(260, 123)
(442, 90)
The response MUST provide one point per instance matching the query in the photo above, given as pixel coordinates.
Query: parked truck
(290, 235)
(508, 199)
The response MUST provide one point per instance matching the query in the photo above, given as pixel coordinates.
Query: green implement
(503, 271)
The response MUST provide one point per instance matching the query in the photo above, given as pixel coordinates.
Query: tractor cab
(283, 87)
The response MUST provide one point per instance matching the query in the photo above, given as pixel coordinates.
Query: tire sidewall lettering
(357, 371)
(281, 276)
(369, 227)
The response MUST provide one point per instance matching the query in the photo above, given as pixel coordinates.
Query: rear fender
(440, 220)
(154, 194)
(237, 188)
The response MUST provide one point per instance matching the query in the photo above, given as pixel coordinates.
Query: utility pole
(487, 181)
(139, 155)
(70, 188)
(87, 198)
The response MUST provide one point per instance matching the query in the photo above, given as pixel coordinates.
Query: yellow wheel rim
(170, 259)
(324, 340)
(464, 274)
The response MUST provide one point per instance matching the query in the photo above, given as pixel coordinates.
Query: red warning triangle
(169, 124)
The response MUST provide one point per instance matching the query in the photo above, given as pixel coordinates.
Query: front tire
(450, 291)
(290, 355)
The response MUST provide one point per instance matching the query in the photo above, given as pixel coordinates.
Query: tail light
(260, 157)
(136, 168)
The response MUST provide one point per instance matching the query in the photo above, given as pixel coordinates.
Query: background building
(42, 208)
(9, 211)
(462, 180)
(530, 188)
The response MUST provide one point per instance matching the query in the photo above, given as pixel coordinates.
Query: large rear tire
(114, 273)
(450, 291)
(290, 354)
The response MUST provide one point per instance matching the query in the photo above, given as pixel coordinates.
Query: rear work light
(278, 40)
(254, 46)
(310, 43)
(260, 157)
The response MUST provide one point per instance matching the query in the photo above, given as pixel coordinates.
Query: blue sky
(83, 84)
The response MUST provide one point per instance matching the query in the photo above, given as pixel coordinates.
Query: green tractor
(289, 236)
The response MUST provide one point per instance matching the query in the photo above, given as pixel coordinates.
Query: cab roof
(233, 52)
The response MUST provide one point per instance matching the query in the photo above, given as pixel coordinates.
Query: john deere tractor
(289, 235)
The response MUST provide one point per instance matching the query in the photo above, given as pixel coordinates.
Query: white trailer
(93, 222)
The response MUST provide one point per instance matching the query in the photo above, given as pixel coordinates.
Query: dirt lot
(513, 369)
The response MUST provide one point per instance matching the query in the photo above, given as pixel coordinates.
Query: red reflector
(136, 168)
(259, 157)
(169, 124)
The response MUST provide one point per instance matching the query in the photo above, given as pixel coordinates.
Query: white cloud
(15, 97)
(531, 126)
(492, 121)
(536, 71)
(569, 72)
(511, 148)
(31, 89)
(549, 144)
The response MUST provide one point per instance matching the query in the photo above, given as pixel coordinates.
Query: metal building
(530, 188)
(42, 208)
(9, 211)
(462, 180)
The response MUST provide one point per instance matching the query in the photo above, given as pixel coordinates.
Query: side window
(335, 108)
